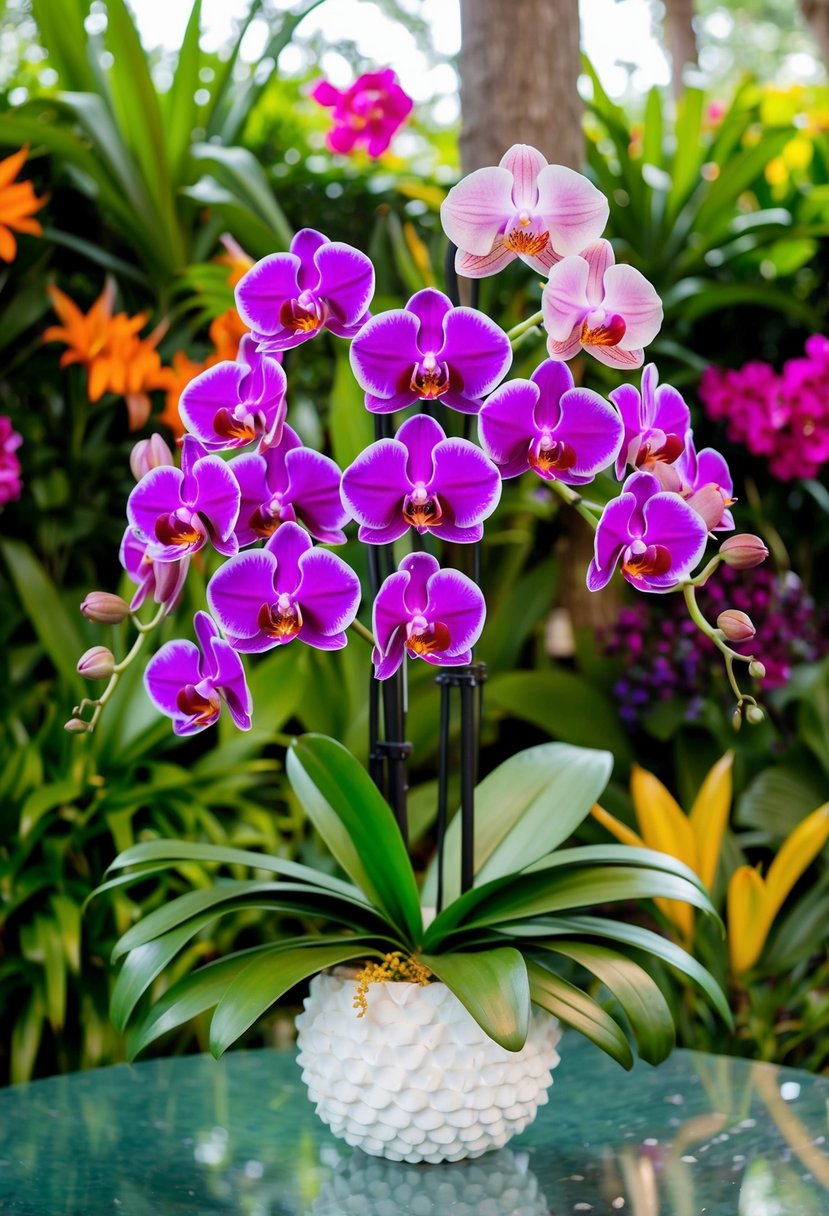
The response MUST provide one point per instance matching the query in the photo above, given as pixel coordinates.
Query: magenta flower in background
(162, 580)
(287, 298)
(288, 482)
(178, 510)
(229, 405)
(654, 534)
(610, 311)
(369, 112)
(11, 487)
(190, 683)
(521, 208)
(546, 424)
(423, 480)
(427, 613)
(656, 422)
(267, 597)
(429, 350)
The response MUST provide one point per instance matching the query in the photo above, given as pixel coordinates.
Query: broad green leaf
(146, 961)
(493, 987)
(240, 171)
(268, 978)
(56, 632)
(25, 1040)
(576, 1009)
(638, 994)
(357, 825)
(179, 103)
(779, 797)
(54, 966)
(563, 705)
(62, 33)
(685, 171)
(523, 810)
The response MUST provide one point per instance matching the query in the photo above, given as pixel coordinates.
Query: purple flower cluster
(667, 658)
(11, 486)
(783, 416)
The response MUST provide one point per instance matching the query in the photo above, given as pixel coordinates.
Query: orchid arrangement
(502, 899)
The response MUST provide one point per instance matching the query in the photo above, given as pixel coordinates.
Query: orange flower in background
(226, 332)
(115, 358)
(18, 203)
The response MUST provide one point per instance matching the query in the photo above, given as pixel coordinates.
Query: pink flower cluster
(10, 484)
(368, 113)
(783, 416)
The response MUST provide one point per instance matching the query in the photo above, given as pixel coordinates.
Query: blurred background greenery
(148, 156)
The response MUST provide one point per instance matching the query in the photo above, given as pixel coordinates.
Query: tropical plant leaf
(575, 1008)
(357, 825)
(179, 105)
(492, 986)
(562, 704)
(56, 632)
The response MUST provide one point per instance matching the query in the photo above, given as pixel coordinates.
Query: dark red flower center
(228, 426)
(173, 530)
(606, 332)
(664, 453)
(548, 454)
(653, 559)
(427, 637)
(430, 379)
(204, 707)
(422, 510)
(280, 620)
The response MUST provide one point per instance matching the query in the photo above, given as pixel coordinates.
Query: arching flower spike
(429, 350)
(267, 597)
(423, 480)
(610, 311)
(657, 424)
(545, 424)
(190, 685)
(178, 510)
(428, 613)
(230, 405)
(523, 208)
(287, 298)
(288, 482)
(655, 536)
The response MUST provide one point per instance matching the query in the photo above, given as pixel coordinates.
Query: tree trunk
(816, 15)
(681, 40)
(519, 67)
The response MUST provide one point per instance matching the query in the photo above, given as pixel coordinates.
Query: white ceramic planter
(416, 1079)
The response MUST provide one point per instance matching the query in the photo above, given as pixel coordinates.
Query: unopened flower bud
(757, 669)
(149, 454)
(105, 608)
(97, 663)
(743, 551)
(754, 715)
(76, 726)
(735, 625)
(737, 718)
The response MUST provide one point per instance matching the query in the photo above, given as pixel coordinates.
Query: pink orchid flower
(611, 311)
(367, 113)
(521, 208)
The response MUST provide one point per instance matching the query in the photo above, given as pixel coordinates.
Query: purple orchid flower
(657, 423)
(229, 405)
(267, 597)
(522, 208)
(610, 311)
(189, 684)
(704, 480)
(428, 350)
(427, 613)
(178, 510)
(423, 480)
(546, 424)
(287, 298)
(655, 534)
(289, 483)
(162, 580)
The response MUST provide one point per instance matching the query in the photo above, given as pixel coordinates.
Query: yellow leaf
(616, 828)
(796, 855)
(709, 815)
(663, 824)
(746, 912)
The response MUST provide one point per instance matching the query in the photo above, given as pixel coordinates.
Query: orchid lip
(426, 637)
(421, 509)
(665, 453)
(305, 315)
(430, 379)
(641, 560)
(281, 620)
(599, 329)
(174, 529)
(203, 707)
(547, 454)
(229, 425)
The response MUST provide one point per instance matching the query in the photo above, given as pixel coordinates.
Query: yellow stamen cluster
(394, 967)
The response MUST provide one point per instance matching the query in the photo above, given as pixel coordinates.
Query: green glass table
(700, 1134)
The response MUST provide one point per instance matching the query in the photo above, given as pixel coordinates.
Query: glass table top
(700, 1134)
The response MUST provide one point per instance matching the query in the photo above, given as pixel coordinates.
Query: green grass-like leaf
(493, 986)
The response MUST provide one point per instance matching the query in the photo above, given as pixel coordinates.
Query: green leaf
(62, 33)
(563, 705)
(45, 799)
(180, 109)
(146, 961)
(524, 809)
(638, 994)
(779, 797)
(350, 424)
(240, 171)
(268, 978)
(357, 825)
(576, 1009)
(492, 986)
(57, 634)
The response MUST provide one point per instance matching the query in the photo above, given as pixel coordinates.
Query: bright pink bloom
(591, 303)
(521, 208)
(11, 486)
(368, 113)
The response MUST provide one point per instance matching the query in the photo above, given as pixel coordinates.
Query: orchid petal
(574, 211)
(459, 603)
(611, 540)
(524, 163)
(599, 257)
(480, 265)
(561, 351)
(315, 494)
(475, 211)
(430, 307)
(671, 522)
(384, 354)
(289, 544)
(552, 379)
(214, 388)
(564, 300)
(261, 291)
(615, 356)
(218, 496)
(628, 294)
(506, 425)
(374, 485)
(231, 681)
(390, 608)
(170, 668)
(328, 592)
(476, 349)
(420, 567)
(205, 630)
(157, 493)
(419, 435)
(305, 245)
(237, 591)
(592, 428)
(466, 480)
(346, 280)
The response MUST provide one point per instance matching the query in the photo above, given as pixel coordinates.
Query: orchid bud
(737, 718)
(97, 663)
(169, 580)
(76, 726)
(744, 551)
(105, 608)
(754, 715)
(735, 625)
(757, 669)
(149, 454)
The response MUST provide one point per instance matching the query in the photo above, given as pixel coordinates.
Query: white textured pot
(416, 1079)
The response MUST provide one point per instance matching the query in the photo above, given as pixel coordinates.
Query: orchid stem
(585, 509)
(715, 635)
(120, 668)
(363, 633)
(518, 331)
